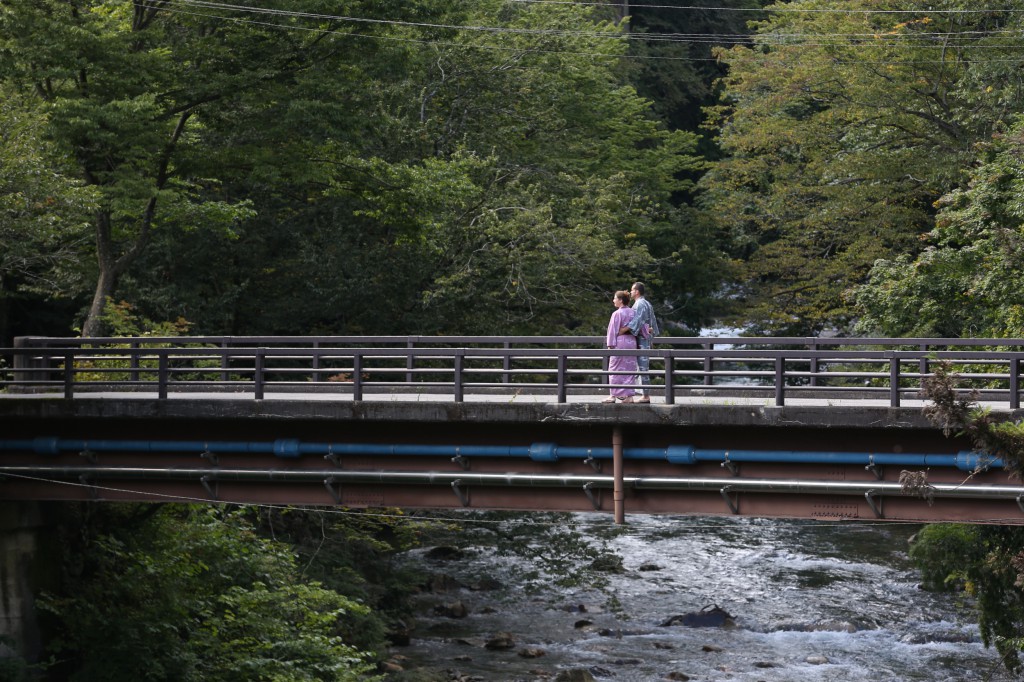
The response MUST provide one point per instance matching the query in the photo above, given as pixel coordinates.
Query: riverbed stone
(442, 582)
(817, 660)
(445, 553)
(486, 584)
(608, 563)
(677, 676)
(502, 640)
(531, 652)
(455, 609)
(575, 675)
(708, 617)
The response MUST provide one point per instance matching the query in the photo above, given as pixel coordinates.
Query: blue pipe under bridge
(292, 448)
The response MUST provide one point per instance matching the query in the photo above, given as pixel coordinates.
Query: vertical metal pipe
(162, 375)
(894, 380)
(670, 382)
(460, 366)
(409, 362)
(563, 366)
(618, 494)
(780, 381)
(315, 364)
(814, 362)
(506, 363)
(257, 375)
(357, 376)
(1015, 384)
(225, 362)
(69, 375)
(708, 365)
(133, 361)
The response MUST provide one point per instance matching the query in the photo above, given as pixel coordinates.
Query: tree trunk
(104, 289)
(92, 326)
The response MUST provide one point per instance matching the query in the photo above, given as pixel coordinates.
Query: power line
(794, 40)
(776, 9)
(682, 37)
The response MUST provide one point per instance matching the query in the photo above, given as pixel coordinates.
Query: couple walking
(628, 329)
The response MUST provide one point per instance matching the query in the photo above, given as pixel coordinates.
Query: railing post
(162, 374)
(670, 381)
(618, 477)
(506, 363)
(315, 365)
(922, 364)
(814, 362)
(409, 363)
(133, 360)
(69, 375)
(460, 363)
(357, 376)
(563, 365)
(894, 380)
(708, 364)
(257, 375)
(25, 368)
(224, 360)
(780, 381)
(1015, 383)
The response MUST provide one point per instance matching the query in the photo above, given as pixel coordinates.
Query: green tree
(968, 280)
(180, 593)
(844, 123)
(43, 209)
(987, 563)
(476, 181)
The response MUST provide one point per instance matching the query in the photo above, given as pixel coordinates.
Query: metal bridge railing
(562, 365)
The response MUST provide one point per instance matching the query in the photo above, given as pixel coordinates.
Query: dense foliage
(204, 593)
(844, 124)
(271, 171)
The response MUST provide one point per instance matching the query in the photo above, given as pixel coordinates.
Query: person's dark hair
(622, 296)
(639, 286)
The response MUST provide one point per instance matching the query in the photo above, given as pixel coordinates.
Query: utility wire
(788, 41)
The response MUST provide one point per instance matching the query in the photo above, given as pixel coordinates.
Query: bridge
(776, 427)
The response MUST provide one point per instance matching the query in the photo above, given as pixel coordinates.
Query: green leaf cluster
(987, 564)
(967, 281)
(843, 124)
(192, 593)
(257, 173)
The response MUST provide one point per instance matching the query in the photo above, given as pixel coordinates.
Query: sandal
(627, 400)
(610, 400)
(644, 400)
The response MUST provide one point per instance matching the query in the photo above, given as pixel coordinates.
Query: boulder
(502, 640)
(710, 616)
(455, 609)
(445, 553)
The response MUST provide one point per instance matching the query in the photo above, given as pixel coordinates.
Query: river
(810, 601)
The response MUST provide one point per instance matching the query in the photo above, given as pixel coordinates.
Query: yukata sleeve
(655, 327)
(636, 322)
(611, 339)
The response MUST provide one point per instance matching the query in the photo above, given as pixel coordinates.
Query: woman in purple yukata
(626, 364)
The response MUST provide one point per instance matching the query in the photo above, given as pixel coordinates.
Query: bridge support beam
(22, 574)
(618, 488)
